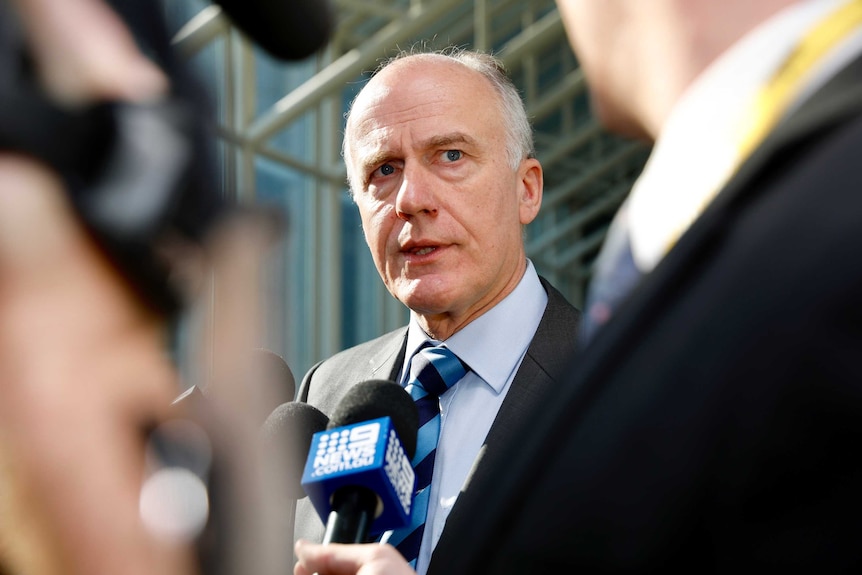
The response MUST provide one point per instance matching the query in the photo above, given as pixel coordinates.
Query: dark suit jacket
(715, 423)
(546, 358)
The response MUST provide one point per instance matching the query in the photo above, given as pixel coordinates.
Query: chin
(427, 305)
(423, 301)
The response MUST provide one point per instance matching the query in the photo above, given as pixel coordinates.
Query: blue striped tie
(433, 370)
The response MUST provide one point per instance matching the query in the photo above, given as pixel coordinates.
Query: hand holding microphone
(336, 559)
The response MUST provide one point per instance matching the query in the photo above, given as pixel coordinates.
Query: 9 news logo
(368, 454)
(345, 450)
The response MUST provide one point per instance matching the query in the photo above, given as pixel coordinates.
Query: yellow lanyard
(782, 90)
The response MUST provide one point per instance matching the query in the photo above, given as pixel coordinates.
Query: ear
(530, 187)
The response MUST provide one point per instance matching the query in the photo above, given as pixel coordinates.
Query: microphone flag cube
(367, 454)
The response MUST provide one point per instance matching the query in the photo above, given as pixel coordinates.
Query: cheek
(377, 224)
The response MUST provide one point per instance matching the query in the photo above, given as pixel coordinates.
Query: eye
(382, 171)
(452, 155)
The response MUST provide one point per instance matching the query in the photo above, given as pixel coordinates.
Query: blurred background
(279, 127)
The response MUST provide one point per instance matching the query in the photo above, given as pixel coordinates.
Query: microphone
(286, 435)
(286, 29)
(274, 383)
(222, 542)
(358, 474)
(290, 428)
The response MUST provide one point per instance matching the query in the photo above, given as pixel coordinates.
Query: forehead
(418, 100)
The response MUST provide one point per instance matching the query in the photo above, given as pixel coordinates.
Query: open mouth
(423, 251)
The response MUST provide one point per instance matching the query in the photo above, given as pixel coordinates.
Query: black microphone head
(276, 374)
(377, 398)
(287, 29)
(290, 427)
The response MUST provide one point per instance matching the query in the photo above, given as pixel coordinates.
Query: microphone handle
(353, 510)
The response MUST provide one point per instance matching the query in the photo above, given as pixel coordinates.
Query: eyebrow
(365, 163)
(438, 141)
(447, 140)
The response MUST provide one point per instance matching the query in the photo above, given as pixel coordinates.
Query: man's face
(441, 208)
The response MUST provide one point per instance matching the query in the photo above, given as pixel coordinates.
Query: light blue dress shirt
(493, 345)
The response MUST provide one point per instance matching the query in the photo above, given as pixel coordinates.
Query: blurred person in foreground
(440, 161)
(83, 367)
(86, 373)
(712, 420)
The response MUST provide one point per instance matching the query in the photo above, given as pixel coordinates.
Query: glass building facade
(279, 127)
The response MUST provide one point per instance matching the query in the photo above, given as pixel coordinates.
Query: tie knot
(436, 369)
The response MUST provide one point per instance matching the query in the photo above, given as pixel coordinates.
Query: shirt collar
(697, 149)
(494, 343)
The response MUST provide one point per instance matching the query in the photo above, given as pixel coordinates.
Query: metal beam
(532, 40)
(332, 79)
(598, 169)
(206, 26)
(558, 95)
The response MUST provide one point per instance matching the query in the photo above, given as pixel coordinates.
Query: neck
(443, 325)
(679, 41)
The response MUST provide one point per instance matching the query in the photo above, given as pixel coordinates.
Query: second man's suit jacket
(714, 424)
(538, 375)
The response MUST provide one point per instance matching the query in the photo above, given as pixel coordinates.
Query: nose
(416, 195)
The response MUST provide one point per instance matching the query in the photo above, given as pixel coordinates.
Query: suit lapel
(537, 376)
(386, 362)
(839, 99)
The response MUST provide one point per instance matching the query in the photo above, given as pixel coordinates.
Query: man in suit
(441, 165)
(712, 422)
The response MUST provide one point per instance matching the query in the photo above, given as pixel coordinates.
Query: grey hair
(519, 132)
